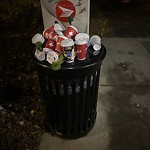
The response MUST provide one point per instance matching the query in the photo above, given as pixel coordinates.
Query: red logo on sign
(65, 9)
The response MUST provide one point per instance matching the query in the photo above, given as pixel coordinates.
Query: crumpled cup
(38, 38)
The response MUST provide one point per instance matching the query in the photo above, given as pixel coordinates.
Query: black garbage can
(70, 94)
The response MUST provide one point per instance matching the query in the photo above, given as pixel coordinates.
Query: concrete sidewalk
(123, 120)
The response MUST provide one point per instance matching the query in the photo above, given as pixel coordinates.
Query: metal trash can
(70, 94)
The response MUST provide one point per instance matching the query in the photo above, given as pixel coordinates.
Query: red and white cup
(58, 44)
(50, 44)
(52, 56)
(82, 36)
(53, 36)
(96, 42)
(48, 33)
(68, 50)
(71, 32)
(81, 48)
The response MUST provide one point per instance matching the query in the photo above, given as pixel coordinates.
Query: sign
(62, 10)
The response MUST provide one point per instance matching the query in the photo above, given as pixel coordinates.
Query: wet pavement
(123, 107)
(123, 103)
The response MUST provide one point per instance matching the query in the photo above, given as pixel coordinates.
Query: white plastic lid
(67, 42)
(97, 46)
(95, 38)
(82, 36)
(57, 27)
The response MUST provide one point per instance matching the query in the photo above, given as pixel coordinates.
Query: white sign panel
(65, 10)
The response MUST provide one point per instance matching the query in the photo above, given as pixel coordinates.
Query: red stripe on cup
(71, 32)
(80, 47)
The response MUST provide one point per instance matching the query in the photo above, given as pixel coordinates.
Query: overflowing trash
(57, 46)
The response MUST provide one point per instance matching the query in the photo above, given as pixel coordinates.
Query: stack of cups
(70, 44)
(52, 48)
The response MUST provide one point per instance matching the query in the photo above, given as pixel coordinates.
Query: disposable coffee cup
(38, 38)
(96, 42)
(46, 50)
(40, 55)
(50, 34)
(53, 36)
(52, 56)
(92, 51)
(80, 47)
(50, 44)
(68, 50)
(71, 32)
(82, 36)
(57, 27)
(58, 44)
(47, 31)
